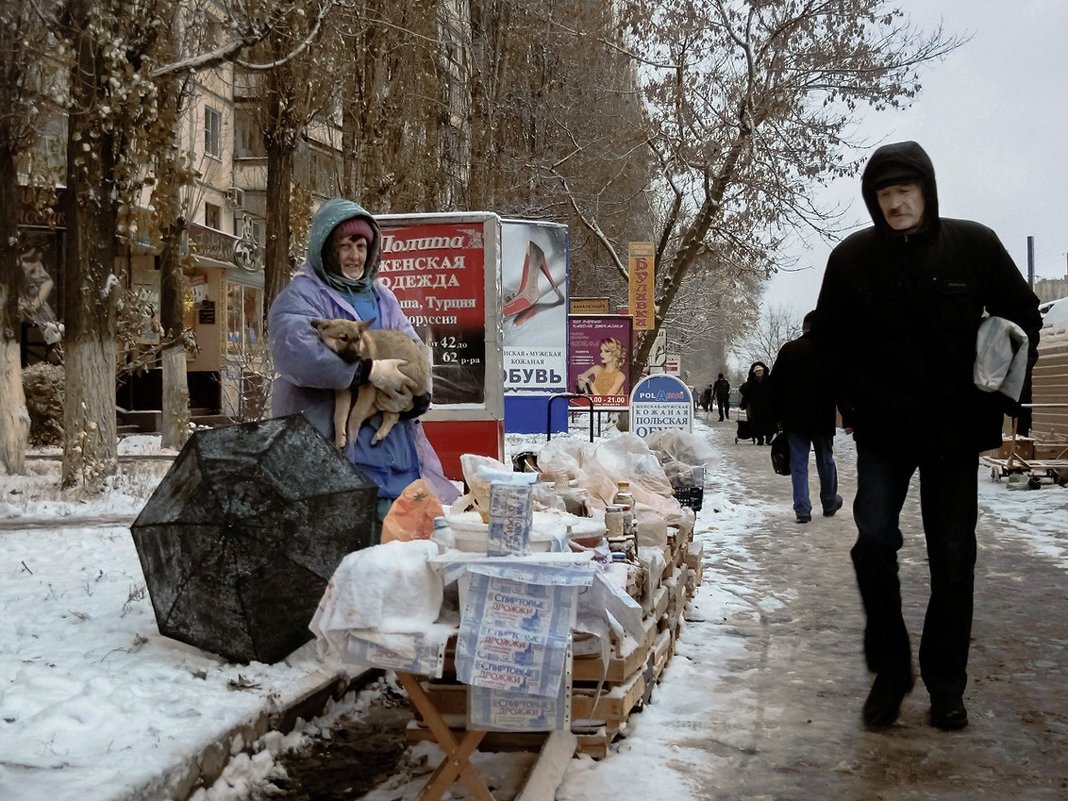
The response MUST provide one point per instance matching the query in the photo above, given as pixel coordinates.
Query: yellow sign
(589, 305)
(642, 273)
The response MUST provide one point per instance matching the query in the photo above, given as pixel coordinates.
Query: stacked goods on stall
(658, 565)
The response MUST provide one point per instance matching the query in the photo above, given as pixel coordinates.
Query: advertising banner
(599, 359)
(534, 310)
(501, 710)
(515, 636)
(642, 285)
(660, 403)
(437, 271)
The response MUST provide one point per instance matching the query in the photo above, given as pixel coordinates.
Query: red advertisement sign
(599, 352)
(437, 271)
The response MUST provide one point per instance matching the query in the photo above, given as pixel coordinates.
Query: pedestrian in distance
(721, 389)
(338, 281)
(757, 402)
(804, 406)
(706, 398)
(897, 319)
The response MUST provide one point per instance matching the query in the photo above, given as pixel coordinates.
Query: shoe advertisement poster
(534, 310)
(599, 359)
(438, 272)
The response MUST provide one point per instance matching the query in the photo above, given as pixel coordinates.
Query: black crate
(693, 497)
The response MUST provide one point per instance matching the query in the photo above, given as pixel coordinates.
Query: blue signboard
(658, 403)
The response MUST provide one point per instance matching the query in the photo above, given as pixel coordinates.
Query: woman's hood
(755, 365)
(331, 214)
(910, 158)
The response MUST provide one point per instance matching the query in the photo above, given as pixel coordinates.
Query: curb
(201, 770)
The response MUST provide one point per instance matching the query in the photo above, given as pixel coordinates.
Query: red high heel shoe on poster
(521, 304)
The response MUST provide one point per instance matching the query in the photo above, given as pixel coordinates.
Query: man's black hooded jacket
(897, 319)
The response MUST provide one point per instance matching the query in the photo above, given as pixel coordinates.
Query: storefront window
(244, 319)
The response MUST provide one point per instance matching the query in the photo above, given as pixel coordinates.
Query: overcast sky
(994, 119)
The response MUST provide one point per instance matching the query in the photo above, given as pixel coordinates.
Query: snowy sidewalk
(762, 700)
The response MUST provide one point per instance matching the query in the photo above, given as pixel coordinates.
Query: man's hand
(386, 374)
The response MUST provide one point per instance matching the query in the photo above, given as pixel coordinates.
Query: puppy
(352, 340)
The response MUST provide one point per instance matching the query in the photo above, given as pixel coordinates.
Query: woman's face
(607, 357)
(351, 254)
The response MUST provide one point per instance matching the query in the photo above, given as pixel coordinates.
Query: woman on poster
(606, 378)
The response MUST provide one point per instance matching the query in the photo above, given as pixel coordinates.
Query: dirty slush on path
(792, 731)
(803, 739)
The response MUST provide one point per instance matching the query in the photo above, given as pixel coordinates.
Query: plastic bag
(780, 454)
(411, 517)
(681, 446)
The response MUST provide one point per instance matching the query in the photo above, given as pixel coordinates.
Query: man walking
(897, 319)
(721, 389)
(804, 404)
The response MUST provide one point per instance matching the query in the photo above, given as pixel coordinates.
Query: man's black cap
(892, 174)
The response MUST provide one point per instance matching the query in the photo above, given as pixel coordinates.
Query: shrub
(43, 385)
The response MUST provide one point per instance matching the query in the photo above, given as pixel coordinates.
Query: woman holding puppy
(338, 281)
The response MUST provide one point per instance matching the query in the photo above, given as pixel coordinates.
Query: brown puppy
(352, 340)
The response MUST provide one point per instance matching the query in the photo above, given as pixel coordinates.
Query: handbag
(780, 454)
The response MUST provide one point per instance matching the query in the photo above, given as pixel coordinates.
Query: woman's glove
(420, 403)
(386, 374)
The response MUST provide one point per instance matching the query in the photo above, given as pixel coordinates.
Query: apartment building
(225, 209)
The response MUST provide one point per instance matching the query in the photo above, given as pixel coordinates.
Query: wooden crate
(628, 657)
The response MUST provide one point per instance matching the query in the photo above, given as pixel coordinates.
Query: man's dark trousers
(724, 407)
(948, 506)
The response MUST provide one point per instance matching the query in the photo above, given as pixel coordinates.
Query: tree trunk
(276, 265)
(175, 423)
(14, 420)
(455, 56)
(91, 287)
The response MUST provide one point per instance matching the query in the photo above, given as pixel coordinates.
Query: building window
(212, 132)
(212, 216)
(248, 136)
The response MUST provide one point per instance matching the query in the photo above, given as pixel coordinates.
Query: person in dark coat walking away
(897, 319)
(756, 400)
(804, 406)
(722, 391)
(706, 398)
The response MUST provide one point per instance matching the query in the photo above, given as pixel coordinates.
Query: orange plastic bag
(411, 517)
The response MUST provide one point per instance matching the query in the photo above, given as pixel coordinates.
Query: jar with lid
(624, 499)
(443, 535)
(613, 522)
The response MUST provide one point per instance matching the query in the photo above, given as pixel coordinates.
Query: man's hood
(330, 215)
(907, 156)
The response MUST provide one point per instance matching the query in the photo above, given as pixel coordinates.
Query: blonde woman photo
(607, 377)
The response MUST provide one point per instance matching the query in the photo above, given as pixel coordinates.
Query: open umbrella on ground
(242, 535)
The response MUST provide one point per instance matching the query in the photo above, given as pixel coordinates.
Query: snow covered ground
(95, 704)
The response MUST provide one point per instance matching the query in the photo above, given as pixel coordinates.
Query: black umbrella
(241, 536)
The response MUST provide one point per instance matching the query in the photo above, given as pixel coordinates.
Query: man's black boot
(948, 713)
(884, 700)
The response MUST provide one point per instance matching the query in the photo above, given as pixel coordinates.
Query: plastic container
(443, 535)
(472, 535)
(625, 500)
(613, 522)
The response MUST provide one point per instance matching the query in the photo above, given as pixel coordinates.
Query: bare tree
(116, 59)
(776, 326)
(21, 36)
(746, 105)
